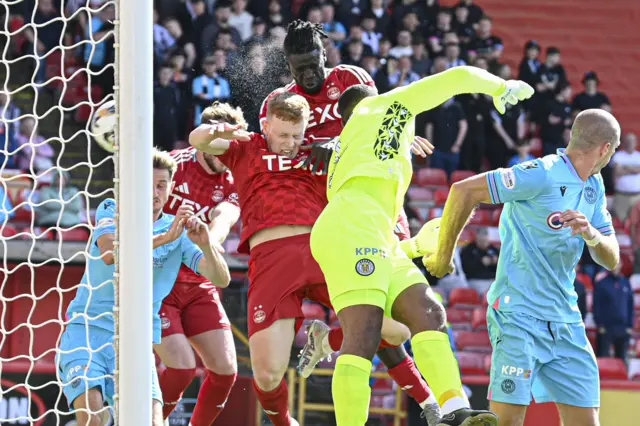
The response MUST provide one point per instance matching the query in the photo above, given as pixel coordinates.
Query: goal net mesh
(57, 68)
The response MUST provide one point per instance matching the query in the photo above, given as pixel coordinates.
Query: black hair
(351, 97)
(303, 37)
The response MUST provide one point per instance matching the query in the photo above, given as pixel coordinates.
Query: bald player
(552, 207)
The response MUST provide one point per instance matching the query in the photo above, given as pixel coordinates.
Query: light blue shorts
(551, 361)
(82, 369)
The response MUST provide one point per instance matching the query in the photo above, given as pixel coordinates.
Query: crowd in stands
(207, 50)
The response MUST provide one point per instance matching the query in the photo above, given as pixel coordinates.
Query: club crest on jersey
(333, 93)
(217, 196)
(553, 221)
(365, 267)
(590, 195)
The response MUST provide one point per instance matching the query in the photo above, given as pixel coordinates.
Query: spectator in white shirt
(404, 45)
(626, 169)
(240, 19)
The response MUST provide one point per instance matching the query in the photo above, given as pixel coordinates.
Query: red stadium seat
(8, 231)
(473, 341)
(612, 368)
(467, 235)
(459, 175)
(626, 257)
(479, 319)
(618, 225)
(585, 279)
(464, 297)
(75, 234)
(460, 319)
(471, 363)
(495, 217)
(432, 177)
(440, 196)
(313, 311)
(484, 300)
(481, 217)
(417, 193)
(487, 363)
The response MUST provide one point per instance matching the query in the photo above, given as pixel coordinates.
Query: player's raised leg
(270, 351)
(218, 353)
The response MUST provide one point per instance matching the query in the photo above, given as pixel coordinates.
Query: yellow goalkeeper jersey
(376, 142)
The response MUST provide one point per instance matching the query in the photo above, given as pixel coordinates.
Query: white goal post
(134, 260)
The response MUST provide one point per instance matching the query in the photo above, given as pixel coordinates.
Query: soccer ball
(103, 126)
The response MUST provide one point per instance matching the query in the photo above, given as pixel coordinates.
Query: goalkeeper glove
(514, 91)
(425, 243)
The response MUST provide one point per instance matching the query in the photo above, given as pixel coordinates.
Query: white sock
(453, 404)
(429, 401)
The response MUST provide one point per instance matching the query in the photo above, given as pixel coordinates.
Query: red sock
(406, 375)
(213, 394)
(275, 403)
(173, 382)
(336, 336)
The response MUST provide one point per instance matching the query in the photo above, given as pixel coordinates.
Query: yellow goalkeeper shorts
(354, 244)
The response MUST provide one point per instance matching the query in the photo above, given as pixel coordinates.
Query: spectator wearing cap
(403, 46)
(475, 12)
(485, 43)
(446, 127)
(626, 172)
(613, 313)
(480, 261)
(370, 36)
(591, 97)
(209, 87)
(435, 33)
(506, 129)
(240, 19)
(557, 120)
(529, 69)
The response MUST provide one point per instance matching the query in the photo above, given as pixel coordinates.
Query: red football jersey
(325, 121)
(274, 190)
(204, 191)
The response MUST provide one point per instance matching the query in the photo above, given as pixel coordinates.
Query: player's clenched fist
(578, 223)
(438, 265)
(177, 227)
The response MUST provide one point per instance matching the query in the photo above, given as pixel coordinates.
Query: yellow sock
(435, 360)
(351, 391)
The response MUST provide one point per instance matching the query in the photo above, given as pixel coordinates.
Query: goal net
(61, 61)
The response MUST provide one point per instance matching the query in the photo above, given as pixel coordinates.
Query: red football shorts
(192, 309)
(282, 273)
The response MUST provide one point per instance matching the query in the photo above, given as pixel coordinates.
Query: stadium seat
(417, 193)
(8, 231)
(440, 196)
(313, 311)
(635, 283)
(471, 363)
(626, 258)
(432, 177)
(464, 298)
(484, 300)
(612, 369)
(75, 234)
(474, 341)
(481, 217)
(460, 319)
(624, 241)
(618, 225)
(467, 235)
(495, 217)
(479, 319)
(459, 175)
(585, 280)
(487, 363)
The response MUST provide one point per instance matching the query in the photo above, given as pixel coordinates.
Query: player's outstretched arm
(225, 215)
(215, 138)
(434, 90)
(463, 199)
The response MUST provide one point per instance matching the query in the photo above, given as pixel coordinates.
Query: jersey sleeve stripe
(365, 75)
(195, 261)
(354, 72)
(493, 187)
(606, 229)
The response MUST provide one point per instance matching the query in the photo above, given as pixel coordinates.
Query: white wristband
(595, 240)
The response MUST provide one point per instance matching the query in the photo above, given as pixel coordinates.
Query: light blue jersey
(536, 269)
(94, 301)
(540, 345)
